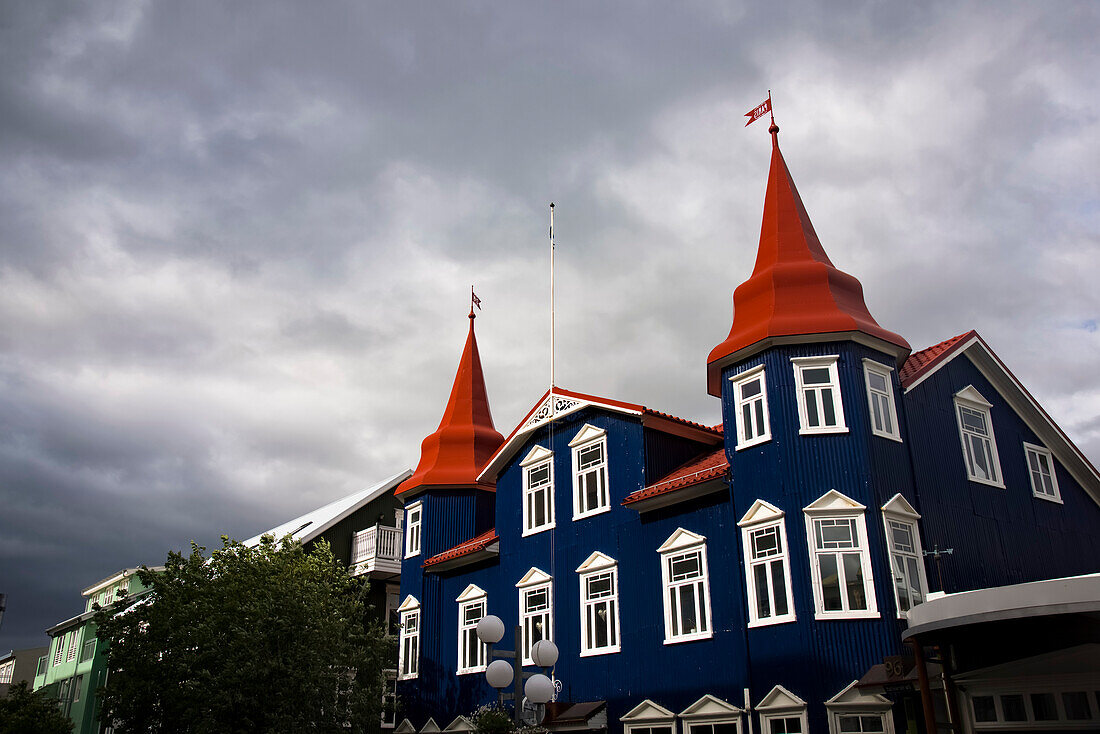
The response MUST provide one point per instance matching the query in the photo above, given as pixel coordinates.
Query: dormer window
(538, 490)
(590, 492)
(751, 400)
(978, 442)
(880, 399)
(414, 517)
(820, 408)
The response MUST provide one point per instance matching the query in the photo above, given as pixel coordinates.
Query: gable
(970, 394)
(595, 562)
(535, 455)
(760, 511)
(460, 723)
(833, 501)
(780, 698)
(851, 697)
(471, 592)
(681, 539)
(709, 706)
(430, 727)
(648, 711)
(532, 577)
(586, 434)
(898, 505)
(405, 727)
(409, 604)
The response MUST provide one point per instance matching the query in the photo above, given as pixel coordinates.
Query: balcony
(376, 551)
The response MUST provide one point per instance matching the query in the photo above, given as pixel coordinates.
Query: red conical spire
(794, 290)
(456, 453)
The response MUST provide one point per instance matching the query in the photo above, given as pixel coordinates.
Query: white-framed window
(590, 484)
(472, 652)
(853, 712)
(648, 718)
(978, 442)
(782, 712)
(750, 396)
(686, 587)
(7, 671)
(906, 555)
(408, 665)
(880, 399)
(389, 699)
(59, 651)
(538, 490)
(839, 559)
(1024, 707)
(1040, 467)
(536, 610)
(74, 645)
(820, 408)
(414, 523)
(599, 579)
(711, 715)
(767, 565)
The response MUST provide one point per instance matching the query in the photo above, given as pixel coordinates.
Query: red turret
(794, 290)
(456, 453)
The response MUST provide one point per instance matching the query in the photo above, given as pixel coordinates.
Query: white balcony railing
(376, 549)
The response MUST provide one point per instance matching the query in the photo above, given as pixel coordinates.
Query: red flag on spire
(474, 300)
(759, 111)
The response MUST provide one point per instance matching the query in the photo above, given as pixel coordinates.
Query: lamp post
(509, 668)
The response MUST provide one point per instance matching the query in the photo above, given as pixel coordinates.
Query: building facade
(750, 576)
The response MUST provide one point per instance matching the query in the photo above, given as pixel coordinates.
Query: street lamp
(509, 669)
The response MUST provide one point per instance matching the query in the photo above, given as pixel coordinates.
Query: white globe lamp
(490, 630)
(538, 689)
(499, 674)
(544, 654)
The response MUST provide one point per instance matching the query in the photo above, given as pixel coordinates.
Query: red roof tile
(473, 545)
(921, 362)
(700, 469)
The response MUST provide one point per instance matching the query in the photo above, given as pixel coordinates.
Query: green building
(75, 664)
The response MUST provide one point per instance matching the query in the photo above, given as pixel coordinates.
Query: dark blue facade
(999, 536)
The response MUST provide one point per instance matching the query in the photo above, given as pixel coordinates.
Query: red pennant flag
(759, 111)
(476, 301)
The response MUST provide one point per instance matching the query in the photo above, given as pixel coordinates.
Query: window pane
(688, 620)
(811, 409)
(871, 723)
(853, 577)
(726, 727)
(830, 583)
(984, 708)
(1076, 704)
(759, 418)
(1043, 707)
(878, 382)
(849, 724)
(763, 607)
(827, 405)
(684, 567)
(915, 590)
(779, 587)
(901, 586)
(750, 388)
(815, 376)
(1013, 707)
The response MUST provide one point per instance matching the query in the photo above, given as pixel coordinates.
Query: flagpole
(551, 307)
(771, 107)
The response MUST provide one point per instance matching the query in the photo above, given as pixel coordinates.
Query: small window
(74, 645)
(820, 408)
(906, 563)
(750, 395)
(599, 579)
(1040, 465)
(978, 443)
(409, 665)
(687, 589)
(78, 683)
(590, 485)
(536, 615)
(855, 723)
(414, 521)
(880, 399)
(783, 724)
(6, 672)
(538, 491)
(472, 652)
(59, 651)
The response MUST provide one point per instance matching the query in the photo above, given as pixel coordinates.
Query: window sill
(1048, 498)
(601, 651)
(888, 436)
(841, 616)
(690, 638)
(988, 483)
(470, 671)
(754, 442)
(822, 431)
(772, 621)
(411, 555)
(592, 513)
(539, 529)
(411, 676)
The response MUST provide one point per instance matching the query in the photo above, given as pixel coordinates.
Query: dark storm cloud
(236, 241)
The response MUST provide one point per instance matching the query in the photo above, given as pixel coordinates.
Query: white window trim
(737, 381)
(598, 563)
(587, 436)
(850, 702)
(74, 645)
(408, 609)
(1060, 686)
(710, 710)
(898, 509)
(780, 703)
(761, 516)
(471, 596)
(834, 505)
(648, 715)
(410, 551)
(887, 372)
(538, 456)
(1030, 448)
(679, 542)
(829, 361)
(970, 398)
(535, 580)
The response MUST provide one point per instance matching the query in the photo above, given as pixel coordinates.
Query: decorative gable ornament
(647, 711)
(535, 455)
(586, 434)
(780, 699)
(760, 511)
(710, 707)
(852, 699)
(553, 406)
(597, 562)
(833, 501)
(681, 539)
(533, 577)
(471, 592)
(900, 507)
(409, 604)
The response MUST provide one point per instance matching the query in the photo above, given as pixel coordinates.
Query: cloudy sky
(237, 239)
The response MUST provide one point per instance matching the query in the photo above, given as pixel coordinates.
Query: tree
(24, 712)
(263, 639)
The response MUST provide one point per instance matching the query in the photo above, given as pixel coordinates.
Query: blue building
(756, 575)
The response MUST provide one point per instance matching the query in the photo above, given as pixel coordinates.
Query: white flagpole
(551, 308)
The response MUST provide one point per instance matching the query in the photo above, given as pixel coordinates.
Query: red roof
(458, 450)
(919, 363)
(794, 289)
(698, 470)
(473, 545)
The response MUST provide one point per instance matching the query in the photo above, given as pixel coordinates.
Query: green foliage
(264, 639)
(498, 720)
(24, 712)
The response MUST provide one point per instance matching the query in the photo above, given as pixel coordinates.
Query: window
(59, 651)
(853, 712)
(78, 683)
(7, 670)
(978, 443)
(687, 592)
(906, 556)
(784, 724)
(538, 491)
(880, 399)
(409, 644)
(599, 579)
(1047, 709)
(414, 521)
(839, 560)
(590, 493)
(88, 652)
(536, 610)
(389, 699)
(711, 715)
(751, 399)
(472, 652)
(782, 712)
(767, 565)
(74, 645)
(1040, 465)
(820, 409)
